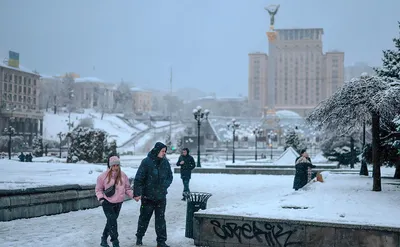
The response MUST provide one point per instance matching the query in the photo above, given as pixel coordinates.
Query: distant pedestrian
(152, 181)
(187, 164)
(21, 157)
(303, 163)
(111, 188)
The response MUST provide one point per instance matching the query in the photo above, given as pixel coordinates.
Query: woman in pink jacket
(111, 188)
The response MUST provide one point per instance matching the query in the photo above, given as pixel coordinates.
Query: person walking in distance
(111, 188)
(187, 164)
(151, 183)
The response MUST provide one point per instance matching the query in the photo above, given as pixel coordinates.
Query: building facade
(303, 74)
(19, 102)
(93, 93)
(141, 101)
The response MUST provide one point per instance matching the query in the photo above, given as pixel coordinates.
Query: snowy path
(84, 228)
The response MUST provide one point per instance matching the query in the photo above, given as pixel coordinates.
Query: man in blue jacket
(152, 180)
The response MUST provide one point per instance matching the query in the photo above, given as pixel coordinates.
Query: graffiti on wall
(272, 234)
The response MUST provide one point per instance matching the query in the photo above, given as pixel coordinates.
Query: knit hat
(113, 160)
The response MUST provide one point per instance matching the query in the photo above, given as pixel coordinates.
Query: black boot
(139, 241)
(115, 243)
(104, 242)
(162, 245)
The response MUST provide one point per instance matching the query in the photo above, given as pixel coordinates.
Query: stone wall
(35, 202)
(238, 231)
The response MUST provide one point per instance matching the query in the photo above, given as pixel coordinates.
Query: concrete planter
(225, 230)
(35, 202)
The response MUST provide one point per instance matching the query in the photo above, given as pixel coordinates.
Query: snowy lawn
(342, 198)
(20, 175)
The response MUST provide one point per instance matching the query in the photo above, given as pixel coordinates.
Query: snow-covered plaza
(343, 198)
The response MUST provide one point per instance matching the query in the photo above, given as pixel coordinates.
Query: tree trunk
(397, 172)
(55, 104)
(364, 167)
(376, 172)
(352, 153)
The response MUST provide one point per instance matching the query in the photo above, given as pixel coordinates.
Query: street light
(271, 135)
(257, 133)
(233, 126)
(10, 131)
(199, 116)
(227, 149)
(61, 136)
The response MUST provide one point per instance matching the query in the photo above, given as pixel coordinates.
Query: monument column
(271, 77)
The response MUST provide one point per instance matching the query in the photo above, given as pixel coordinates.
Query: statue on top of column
(272, 10)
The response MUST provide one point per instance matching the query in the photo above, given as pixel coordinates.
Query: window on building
(5, 77)
(20, 98)
(19, 89)
(29, 90)
(5, 87)
(24, 99)
(15, 98)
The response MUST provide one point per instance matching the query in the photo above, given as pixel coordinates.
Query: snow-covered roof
(47, 76)
(88, 79)
(206, 97)
(231, 99)
(137, 89)
(287, 114)
(21, 68)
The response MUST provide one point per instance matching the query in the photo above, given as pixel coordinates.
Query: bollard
(195, 202)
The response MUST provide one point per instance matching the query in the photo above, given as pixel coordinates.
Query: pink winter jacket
(120, 189)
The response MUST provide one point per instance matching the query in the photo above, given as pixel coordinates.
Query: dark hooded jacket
(154, 176)
(301, 176)
(188, 166)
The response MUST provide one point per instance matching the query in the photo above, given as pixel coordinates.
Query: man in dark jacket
(187, 164)
(152, 180)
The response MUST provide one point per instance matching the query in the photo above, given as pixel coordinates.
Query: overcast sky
(205, 41)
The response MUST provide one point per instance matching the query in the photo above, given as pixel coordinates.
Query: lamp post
(60, 135)
(271, 135)
(199, 116)
(234, 125)
(227, 149)
(257, 133)
(10, 131)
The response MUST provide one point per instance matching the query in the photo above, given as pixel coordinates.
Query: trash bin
(195, 202)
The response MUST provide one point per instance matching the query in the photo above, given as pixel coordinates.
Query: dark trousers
(146, 211)
(185, 185)
(111, 211)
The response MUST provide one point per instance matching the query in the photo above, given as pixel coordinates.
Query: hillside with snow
(117, 128)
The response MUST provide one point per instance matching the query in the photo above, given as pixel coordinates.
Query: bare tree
(122, 98)
(368, 100)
